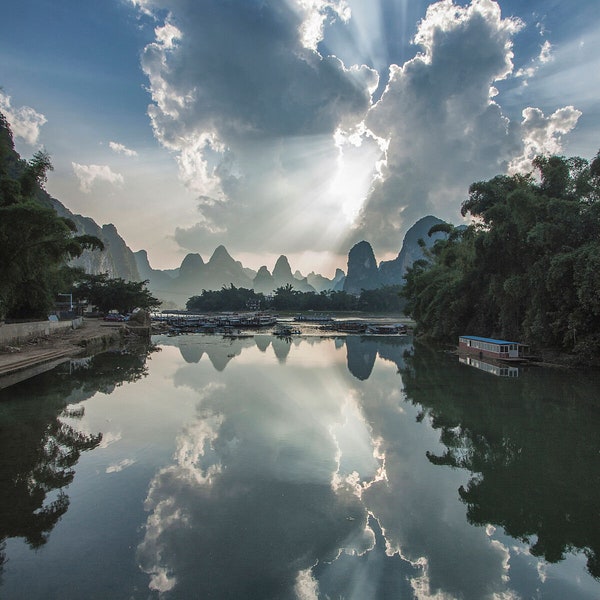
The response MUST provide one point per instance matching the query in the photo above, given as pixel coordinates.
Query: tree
(527, 269)
(115, 294)
(384, 299)
(35, 243)
(286, 297)
(227, 298)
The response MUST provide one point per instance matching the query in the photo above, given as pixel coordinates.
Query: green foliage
(384, 299)
(528, 269)
(287, 298)
(35, 243)
(228, 298)
(114, 294)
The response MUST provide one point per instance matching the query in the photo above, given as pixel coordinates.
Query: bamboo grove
(526, 269)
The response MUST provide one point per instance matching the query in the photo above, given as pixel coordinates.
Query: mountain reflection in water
(354, 467)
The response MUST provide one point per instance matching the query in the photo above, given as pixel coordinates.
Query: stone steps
(10, 365)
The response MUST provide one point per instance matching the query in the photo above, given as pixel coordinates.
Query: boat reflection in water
(501, 370)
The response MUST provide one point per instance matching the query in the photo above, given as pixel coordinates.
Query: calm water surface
(260, 468)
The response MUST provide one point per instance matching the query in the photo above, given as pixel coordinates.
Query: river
(268, 468)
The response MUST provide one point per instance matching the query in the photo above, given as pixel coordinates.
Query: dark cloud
(255, 113)
(242, 71)
(240, 97)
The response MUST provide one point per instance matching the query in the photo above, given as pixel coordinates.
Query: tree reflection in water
(531, 443)
(39, 450)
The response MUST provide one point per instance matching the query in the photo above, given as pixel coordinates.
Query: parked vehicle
(115, 317)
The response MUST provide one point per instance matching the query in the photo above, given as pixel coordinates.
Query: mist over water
(264, 467)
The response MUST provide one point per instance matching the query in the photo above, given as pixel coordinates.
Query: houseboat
(350, 326)
(492, 348)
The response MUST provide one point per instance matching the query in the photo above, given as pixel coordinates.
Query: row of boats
(366, 328)
(236, 323)
(219, 323)
(328, 323)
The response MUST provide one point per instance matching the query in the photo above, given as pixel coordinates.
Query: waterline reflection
(303, 478)
(308, 468)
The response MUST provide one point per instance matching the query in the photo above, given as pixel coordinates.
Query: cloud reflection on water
(312, 481)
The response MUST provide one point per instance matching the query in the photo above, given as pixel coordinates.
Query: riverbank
(41, 353)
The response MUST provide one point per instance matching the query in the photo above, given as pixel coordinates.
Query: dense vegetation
(35, 243)
(527, 270)
(384, 299)
(114, 294)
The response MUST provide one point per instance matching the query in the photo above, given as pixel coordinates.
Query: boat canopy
(487, 340)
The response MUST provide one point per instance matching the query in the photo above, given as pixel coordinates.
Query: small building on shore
(492, 348)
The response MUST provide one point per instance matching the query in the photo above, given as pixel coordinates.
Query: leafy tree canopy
(35, 243)
(384, 299)
(227, 298)
(114, 294)
(526, 269)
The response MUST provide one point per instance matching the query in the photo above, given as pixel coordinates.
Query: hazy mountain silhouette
(391, 272)
(362, 269)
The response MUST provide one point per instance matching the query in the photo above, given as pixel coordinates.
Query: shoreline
(38, 354)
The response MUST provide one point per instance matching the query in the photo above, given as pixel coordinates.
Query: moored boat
(493, 348)
(386, 329)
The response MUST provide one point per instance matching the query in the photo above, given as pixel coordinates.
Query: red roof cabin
(492, 348)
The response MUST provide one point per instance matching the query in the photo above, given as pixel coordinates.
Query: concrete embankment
(32, 348)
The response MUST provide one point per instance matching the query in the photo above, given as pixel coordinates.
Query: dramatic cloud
(121, 149)
(88, 175)
(283, 146)
(443, 127)
(25, 122)
(250, 108)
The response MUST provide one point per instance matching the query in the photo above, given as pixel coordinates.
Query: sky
(295, 127)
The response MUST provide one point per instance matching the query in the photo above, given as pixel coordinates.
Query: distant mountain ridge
(177, 285)
(194, 275)
(391, 272)
(362, 269)
(117, 259)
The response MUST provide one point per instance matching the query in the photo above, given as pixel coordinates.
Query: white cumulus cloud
(88, 175)
(283, 145)
(235, 92)
(24, 121)
(543, 135)
(121, 149)
(444, 123)
(444, 129)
